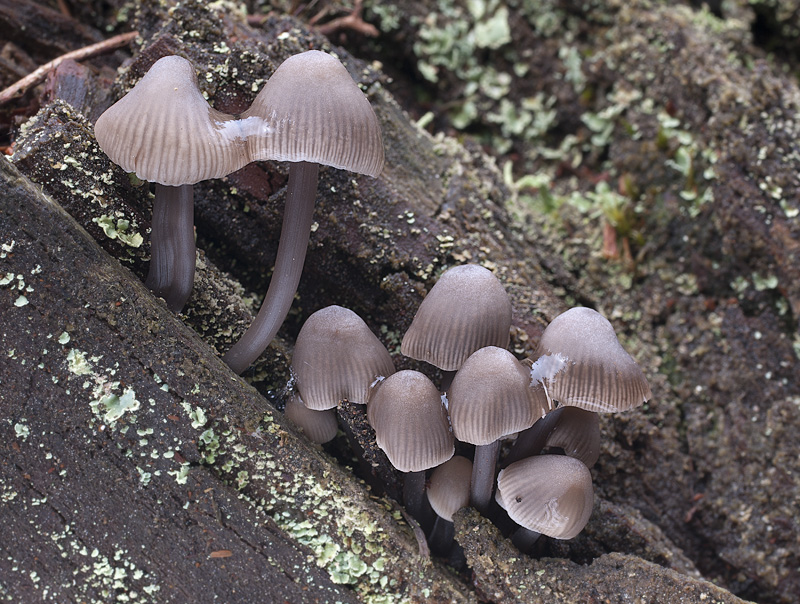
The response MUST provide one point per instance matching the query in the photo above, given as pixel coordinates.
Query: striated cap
(448, 489)
(549, 494)
(319, 426)
(466, 309)
(164, 131)
(337, 357)
(491, 397)
(312, 110)
(577, 432)
(580, 362)
(410, 422)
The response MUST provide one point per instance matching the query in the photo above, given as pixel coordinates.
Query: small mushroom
(165, 132)
(410, 422)
(466, 309)
(319, 426)
(547, 494)
(310, 112)
(448, 492)
(580, 362)
(571, 429)
(337, 357)
(490, 399)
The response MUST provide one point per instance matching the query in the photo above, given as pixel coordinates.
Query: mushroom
(410, 422)
(490, 399)
(165, 132)
(571, 429)
(466, 309)
(337, 357)
(580, 362)
(310, 112)
(448, 492)
(319, 426)
(547, 494)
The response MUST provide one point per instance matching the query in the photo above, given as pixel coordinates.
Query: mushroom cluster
(310, 113)
(449, 437)
(546, 405)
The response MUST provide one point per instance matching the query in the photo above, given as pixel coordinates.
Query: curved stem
(295, 232)
(172, 260)
(530, 442)
(483, 466)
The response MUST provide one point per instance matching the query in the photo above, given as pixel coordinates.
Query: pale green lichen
(119, 229)
(112, 407)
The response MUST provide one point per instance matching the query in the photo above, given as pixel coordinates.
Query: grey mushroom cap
(448, 489)
(466, 309)
(337, 357)
(410, 422)
(490, 397)
(311, 110)
(164, 131)
(580, 362)
(318, 426)
(548, 494)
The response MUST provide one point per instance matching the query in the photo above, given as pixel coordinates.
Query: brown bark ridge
(136, 464)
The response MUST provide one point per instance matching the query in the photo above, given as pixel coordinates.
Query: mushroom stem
(295, 232)
(483, 466)
(441, 537)
(524, 539)
(414, 493)
(172, 261)
(530, 442)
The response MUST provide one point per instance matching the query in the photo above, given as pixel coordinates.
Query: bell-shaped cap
(466, 309)
(319, 426)
(549, 494)
(311, 110)
(164, 131)
(577, 433)
(491, 397)
(410, 422)
(337, 357)
(580, 362)
(448, 488)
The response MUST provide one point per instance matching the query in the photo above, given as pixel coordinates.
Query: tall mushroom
(165, 132)
(490, 399)
(310, 112)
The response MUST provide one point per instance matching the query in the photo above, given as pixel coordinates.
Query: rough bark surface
(652, 175)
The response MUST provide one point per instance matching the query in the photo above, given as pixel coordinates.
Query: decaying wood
(132, 456)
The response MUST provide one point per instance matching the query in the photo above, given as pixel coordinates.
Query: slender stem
(524, 539)
(414, 493)
(172, 260)
(530, 442)
(483, 466)
(295, 232)
(441, 538)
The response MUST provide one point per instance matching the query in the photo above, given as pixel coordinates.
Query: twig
(86, 52)
(352, 21)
